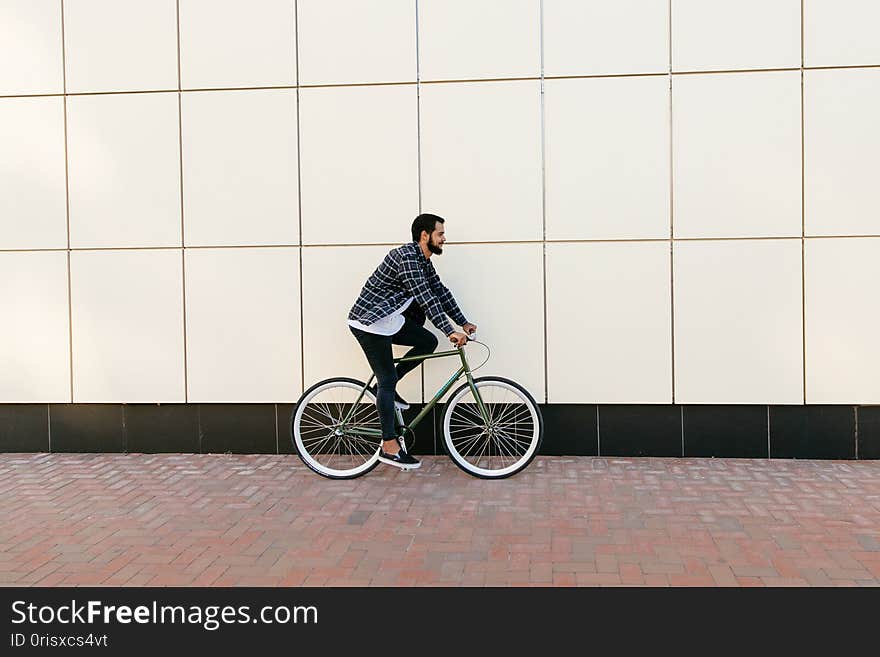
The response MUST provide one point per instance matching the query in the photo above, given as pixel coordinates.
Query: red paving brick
(264, 520)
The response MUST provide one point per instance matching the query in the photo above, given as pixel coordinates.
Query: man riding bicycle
(391, 309)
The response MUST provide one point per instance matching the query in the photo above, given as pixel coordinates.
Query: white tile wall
(124, 170)
(481, 159)
(609, 323)
(738, 322)
(120, 45)
(240, 167)
(243, 325)
(841, 146)
(347, 41)
(714, 35)
(127, 310)
(737, 155)
(589, 160)
(843, 354)
(499, 287)
(607, 158)
(33, 198)
(30, 47)
(359, 164)
(34, 334)
(479, 39)
(332, 279)
(841, 32)
(598, 37)
(228, 43)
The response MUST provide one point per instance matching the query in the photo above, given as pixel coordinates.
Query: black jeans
(377, 349)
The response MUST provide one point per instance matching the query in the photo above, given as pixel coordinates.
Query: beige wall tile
(127, 326)
(607, 158)
(34, 335)
(120, 45)
(359, 164)
(481, 159)
(841, 147)
(713, 35)
(843, 355)
(841, 32)
(597, 37)
(346, 41)
(229, 43)
(30, 47)
(33, 196)
(609, 324)
(479, 39)
(737, 155)
(738, 322)
(240, 167)
(124, 170)
(243, 325)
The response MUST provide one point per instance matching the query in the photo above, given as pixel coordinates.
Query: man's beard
(433, 248)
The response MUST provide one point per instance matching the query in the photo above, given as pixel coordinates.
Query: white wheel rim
(320, 423)
(515, 414)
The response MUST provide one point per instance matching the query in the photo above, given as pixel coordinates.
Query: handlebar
(468, 338)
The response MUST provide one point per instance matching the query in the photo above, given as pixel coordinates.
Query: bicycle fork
(484, 412)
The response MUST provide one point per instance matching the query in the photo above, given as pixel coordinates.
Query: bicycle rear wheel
(505, 444)
(323, 442)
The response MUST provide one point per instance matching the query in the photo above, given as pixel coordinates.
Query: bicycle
(492, 426)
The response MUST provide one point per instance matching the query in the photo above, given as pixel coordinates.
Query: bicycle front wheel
(328, 444)
(503, 443)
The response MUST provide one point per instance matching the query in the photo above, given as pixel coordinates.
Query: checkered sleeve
(418, 285)
(448, 302)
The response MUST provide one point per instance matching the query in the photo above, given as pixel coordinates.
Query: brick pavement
(265, 520)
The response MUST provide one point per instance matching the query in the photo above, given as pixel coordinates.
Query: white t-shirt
(387, 325)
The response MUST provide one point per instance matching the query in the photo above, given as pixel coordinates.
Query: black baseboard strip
(724, 431)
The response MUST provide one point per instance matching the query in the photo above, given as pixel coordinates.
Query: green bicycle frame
(464, 369)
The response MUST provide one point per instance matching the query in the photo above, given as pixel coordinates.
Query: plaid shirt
(406, 272)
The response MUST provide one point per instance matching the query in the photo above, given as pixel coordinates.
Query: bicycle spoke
(515, 441)
(465, 444)
(514, 446)
(512, 411)
(483, 451)
(524, 425)
(465, 430)
(312, 416)
(505, 413)
(315, 416)
(319, 448)
(324, 409)
(474, 413)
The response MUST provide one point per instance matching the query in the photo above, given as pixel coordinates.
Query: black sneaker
(400, 460)
(399, 402)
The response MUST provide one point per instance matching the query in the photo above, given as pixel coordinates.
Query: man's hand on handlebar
(469, 328)
(458, 339)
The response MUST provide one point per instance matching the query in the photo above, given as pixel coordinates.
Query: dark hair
(426, 222)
